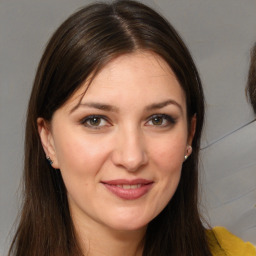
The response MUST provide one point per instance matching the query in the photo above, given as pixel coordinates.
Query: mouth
(129, 186)
(128, 189)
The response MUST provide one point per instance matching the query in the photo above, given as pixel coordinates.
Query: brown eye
(161, 120)
(158, 120)
(94, 121)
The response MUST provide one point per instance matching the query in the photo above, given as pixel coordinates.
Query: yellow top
(223, 243)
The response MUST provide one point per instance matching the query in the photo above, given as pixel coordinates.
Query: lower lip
(129, 194)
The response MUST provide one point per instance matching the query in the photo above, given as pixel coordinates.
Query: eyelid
(87, 118)
(171, 120)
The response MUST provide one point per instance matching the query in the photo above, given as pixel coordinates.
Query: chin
(130, 227)
(129, 224)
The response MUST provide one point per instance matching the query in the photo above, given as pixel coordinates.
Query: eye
(95, 121)
(162, 120)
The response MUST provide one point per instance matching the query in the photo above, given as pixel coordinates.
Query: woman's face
(120, 151)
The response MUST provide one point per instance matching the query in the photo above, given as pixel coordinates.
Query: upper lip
(127, 182)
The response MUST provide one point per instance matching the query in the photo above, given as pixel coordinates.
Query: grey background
(219, 35)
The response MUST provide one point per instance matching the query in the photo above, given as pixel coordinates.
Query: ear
(192, 130)
(47, 141)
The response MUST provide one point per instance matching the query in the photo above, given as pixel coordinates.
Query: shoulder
(222, 242)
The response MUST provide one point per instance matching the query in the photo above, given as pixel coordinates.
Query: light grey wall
(219, 34)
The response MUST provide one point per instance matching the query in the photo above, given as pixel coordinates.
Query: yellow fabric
(223, 243)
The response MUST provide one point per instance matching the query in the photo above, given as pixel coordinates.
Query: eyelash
(169, 121)
(90, 118)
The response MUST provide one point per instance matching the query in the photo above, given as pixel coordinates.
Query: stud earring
(49, 160)
(189, 151)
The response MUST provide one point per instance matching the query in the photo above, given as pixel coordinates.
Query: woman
(116, 108)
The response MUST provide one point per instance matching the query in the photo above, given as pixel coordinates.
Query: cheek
(169, 154)
(80, 160)
(79, 155)
(167, 159)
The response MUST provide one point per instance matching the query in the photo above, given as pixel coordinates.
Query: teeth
(127, 186)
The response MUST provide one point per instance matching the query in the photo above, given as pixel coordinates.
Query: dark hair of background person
(81, 47)
(251, 83)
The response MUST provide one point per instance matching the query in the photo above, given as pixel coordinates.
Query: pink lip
(131, 193)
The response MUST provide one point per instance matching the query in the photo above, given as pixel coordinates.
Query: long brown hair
(251, 82)
(82, 45)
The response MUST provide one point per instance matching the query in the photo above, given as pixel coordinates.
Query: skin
(131, 139)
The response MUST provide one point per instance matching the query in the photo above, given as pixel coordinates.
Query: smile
(128, 190)
(129, 186)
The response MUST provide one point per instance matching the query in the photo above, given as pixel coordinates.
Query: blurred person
(251, 83)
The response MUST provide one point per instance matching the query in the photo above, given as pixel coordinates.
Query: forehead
(142, 74)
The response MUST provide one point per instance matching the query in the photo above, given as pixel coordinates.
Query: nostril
(130, 160)
(129, 152)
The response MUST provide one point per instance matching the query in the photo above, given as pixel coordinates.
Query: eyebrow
(96, 105)
(110, 108)
(164, 104)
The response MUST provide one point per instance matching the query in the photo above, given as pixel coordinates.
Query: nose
(130, 151)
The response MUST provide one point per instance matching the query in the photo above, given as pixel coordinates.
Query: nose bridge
(130, 152)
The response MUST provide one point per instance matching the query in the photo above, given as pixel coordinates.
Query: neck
(96, 239)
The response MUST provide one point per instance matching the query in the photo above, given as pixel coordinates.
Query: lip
(120, 188)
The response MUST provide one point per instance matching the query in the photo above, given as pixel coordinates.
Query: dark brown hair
(251, 83)
(82, 45)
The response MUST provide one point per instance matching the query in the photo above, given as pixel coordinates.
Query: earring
(189, 151)
(49, 160)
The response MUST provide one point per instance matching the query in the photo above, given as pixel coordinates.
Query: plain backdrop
(219, 35)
